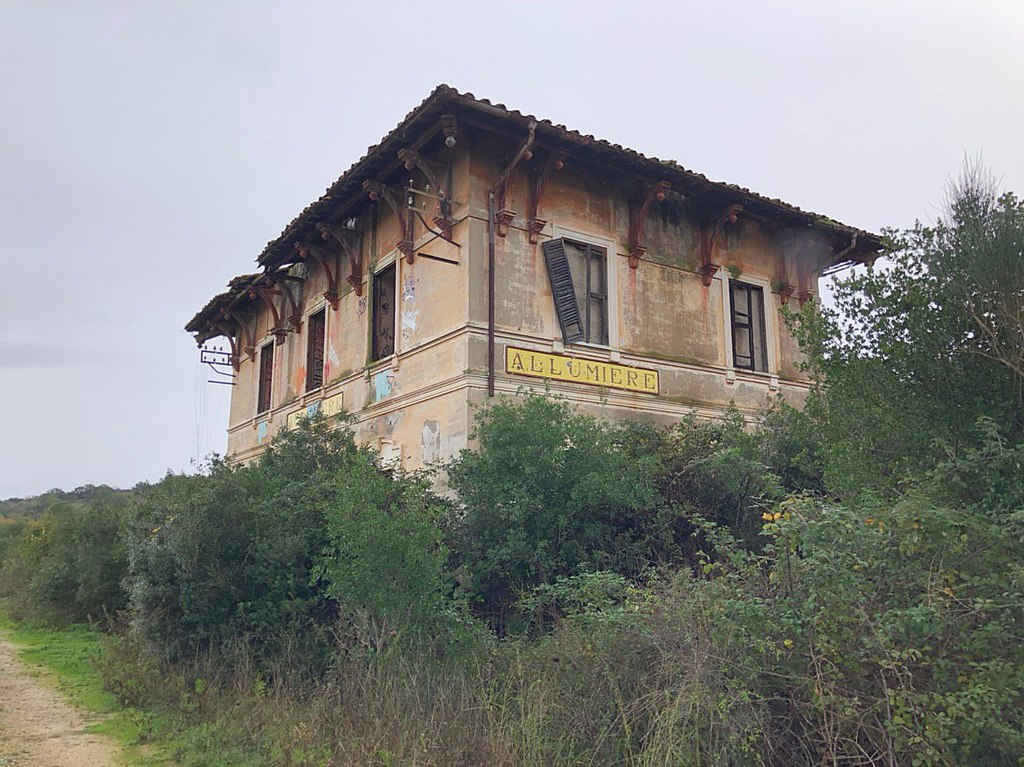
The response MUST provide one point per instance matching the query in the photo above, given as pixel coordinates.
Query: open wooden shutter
(566, 306)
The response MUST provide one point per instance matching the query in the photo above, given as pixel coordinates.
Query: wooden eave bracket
(638, 216)
(538, 177)
(377, 191)
(245, 341)
(229, 334)
(327, 262)
(503, 216)
(443, 220)
(267, 294)
(710, 232)
(351, 244)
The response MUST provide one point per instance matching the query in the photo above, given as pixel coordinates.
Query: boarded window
(266, 377)
(749, 347)
(579, 284)
(315, 327)
(384, 313)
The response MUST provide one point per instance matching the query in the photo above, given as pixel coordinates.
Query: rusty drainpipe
(491, 214)
(490, 293)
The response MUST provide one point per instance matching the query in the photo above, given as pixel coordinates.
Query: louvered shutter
(566, 306)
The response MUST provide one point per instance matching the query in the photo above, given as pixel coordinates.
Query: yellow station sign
(330, 406)
(558, 367)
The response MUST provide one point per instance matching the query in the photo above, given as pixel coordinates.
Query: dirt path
(38, 728)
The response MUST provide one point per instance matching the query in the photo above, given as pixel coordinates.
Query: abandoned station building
(476, 251)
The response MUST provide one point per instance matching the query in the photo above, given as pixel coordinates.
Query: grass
(65, 656)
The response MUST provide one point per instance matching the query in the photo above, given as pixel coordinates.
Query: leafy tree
(923, 345)
(69, 564)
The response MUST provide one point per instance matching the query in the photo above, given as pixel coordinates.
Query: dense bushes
(700, 613)
(70, 562)
(841, 585)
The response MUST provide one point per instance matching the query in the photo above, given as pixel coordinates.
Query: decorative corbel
(443, 219)
(710, 232)
(246, 339)
(804, 275)
(326, 260)
(350, 241)
(267, 295)
(503, 216)
(781, 284)
(638, 215)
(225, 331)
(377, 191)
(538, 176)
(280, 280)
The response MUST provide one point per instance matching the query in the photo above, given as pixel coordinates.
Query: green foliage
(69, 564)
(36, 506)
(548, 492)
(229, 555)
(838, 585)
(274, 554)
(718, 471)
(923, 345)
(384, 556)
(890, 630)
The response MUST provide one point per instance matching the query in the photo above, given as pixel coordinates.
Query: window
(266, 376)
(749, 346)
(384, 313)
(579, 284)
(316, 324)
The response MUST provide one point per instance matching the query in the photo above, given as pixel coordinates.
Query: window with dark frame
(749, 344)
(579, 285)
(383, 322)
(315, 327)
(266, 377)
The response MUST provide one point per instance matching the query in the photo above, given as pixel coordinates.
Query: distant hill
(37, 505)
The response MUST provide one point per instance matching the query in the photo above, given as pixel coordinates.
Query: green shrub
(384, 559)
(229, 555)
(69, 564)
(548, 492)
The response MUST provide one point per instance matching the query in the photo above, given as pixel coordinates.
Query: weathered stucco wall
(663, 318)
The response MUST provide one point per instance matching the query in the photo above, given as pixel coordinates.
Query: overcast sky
(149, 150)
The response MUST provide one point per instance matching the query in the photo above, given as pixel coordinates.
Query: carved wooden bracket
(280, 281)
(638, 211)
(376, 190)
(245, 338)
(710, 232)
(351, 244)
(267, 295)
(275, 285)
(229, 334)
(326, 260)
(503, 216)
(443, 220)
(538, 176)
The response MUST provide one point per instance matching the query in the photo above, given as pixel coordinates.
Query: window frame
(389, 262)
(611, 306)
(261, 351)
(320, 309)
(769, 326)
